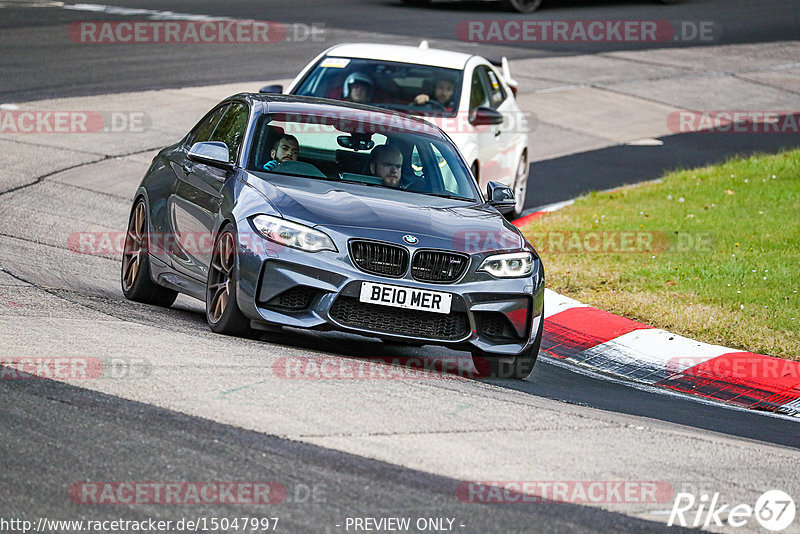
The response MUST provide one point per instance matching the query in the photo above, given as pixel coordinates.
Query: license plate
(405, 297)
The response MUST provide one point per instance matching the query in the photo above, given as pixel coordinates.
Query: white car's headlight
(513, 265)
(292, 234)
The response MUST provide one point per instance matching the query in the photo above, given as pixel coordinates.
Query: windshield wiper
(454, 197)
(359, 182)
(440, 195)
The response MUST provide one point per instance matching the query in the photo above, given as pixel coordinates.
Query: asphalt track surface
(53, 434)
(560, 179)
(40, 61)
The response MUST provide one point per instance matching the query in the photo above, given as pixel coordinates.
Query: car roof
(403, 54)
(278, 103)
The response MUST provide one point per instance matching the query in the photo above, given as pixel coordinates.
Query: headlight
(292, 234)
(514, 265)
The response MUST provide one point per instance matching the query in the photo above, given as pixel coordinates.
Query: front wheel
(523, 6)
(222, 310)
(520, 186)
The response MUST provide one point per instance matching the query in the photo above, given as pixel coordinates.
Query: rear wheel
(137, 284)
(523, 6)
(222, 310)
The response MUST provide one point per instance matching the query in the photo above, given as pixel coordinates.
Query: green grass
(725, 262)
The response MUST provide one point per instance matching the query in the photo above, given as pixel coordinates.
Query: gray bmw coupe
(310, 213)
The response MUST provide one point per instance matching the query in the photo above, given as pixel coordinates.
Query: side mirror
(277, 89)
(212, 153)
(501, 197)
(486, 116)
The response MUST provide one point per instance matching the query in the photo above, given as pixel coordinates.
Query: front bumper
(289, 287)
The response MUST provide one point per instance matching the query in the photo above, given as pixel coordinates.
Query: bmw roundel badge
(410, 239)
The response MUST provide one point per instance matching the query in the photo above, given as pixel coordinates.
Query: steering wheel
(435, 104)
(411, 184)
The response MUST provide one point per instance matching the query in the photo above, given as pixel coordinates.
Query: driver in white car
(442, 94)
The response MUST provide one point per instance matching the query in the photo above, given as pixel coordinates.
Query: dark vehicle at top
(322, 242)
(520, 6)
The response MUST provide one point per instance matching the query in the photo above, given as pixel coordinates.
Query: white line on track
(151, 14)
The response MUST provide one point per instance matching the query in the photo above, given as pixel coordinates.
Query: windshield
(400, 86)
(369, 149)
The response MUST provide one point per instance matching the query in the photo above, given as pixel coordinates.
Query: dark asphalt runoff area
(84, 436)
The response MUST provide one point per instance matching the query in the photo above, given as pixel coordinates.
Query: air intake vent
(438, 266)
(379, 258)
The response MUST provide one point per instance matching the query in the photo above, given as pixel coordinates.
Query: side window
(449, 179)
(205, 128)
(231, 128)
(478, 95)
(497, 94)
(416, 162)
(433, 171)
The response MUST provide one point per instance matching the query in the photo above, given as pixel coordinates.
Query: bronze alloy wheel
(135, 246)
(220, 278)
(135, 277)
(222, 309)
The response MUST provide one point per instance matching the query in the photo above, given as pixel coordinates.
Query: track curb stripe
(622, 347)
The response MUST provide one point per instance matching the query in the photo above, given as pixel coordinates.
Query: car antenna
(423, 45)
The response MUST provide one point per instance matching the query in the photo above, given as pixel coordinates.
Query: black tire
(137, 284)
(222, 309)
(523, 6)
(520, 186)
(520, 367)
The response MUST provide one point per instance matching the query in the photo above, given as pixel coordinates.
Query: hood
(452, 224)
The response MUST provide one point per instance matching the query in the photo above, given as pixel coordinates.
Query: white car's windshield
(377, 150)
(401, 86)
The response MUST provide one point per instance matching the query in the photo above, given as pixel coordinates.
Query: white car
(480, 114)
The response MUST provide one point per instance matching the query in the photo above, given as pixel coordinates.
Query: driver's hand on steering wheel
(421, 100)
